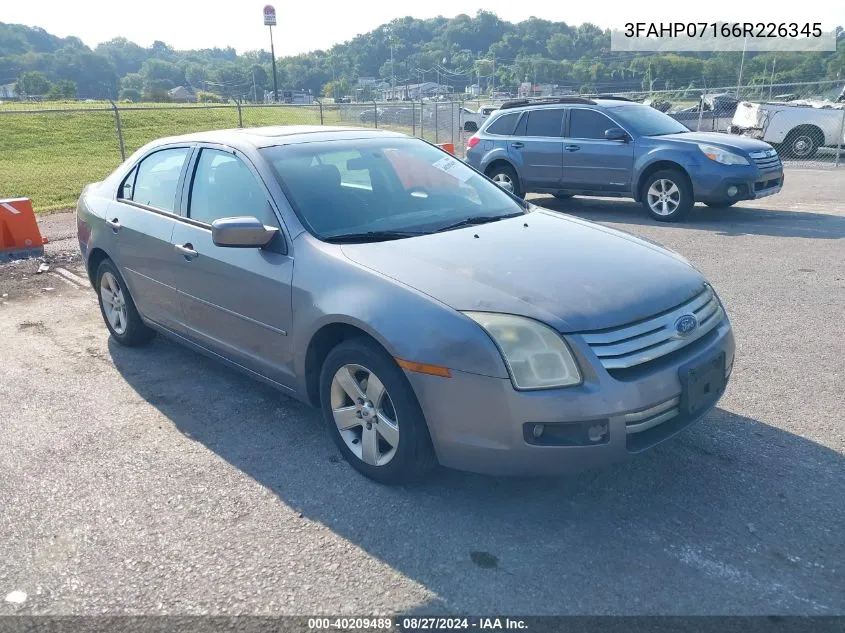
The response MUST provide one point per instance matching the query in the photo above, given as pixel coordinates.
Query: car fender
(407, 323)
(500, 154)
(684, 158)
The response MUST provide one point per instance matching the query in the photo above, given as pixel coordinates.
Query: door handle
(114, 224)
(187, 250)
(571, 148)
(517, 145)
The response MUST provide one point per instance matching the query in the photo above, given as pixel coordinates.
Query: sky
(305, 26)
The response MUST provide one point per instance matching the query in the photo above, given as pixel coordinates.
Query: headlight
(722, 155)
(536, 356)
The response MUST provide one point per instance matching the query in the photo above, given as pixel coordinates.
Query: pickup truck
(471, 121)
(796, 128)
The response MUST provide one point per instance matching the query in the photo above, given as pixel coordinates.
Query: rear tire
(802, 143)
(667, 195)
(502, 173)
(361, 385)
(118, 308)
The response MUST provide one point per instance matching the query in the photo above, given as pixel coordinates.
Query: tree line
(456, 52)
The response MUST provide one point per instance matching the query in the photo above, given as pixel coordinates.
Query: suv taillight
(473, 141)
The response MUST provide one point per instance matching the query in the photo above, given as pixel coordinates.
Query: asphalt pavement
(153, 480)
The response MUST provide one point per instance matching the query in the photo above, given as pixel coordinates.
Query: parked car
(797, 129)
(715, 115)
(430, 314)
(609, 147)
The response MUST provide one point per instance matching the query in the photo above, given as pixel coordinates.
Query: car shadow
(738, 516)
(733, 221)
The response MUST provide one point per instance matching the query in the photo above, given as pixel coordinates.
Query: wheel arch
(95, 258)
(656, 166)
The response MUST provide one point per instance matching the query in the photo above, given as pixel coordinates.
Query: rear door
(235, 301)
(142, 219)
(589, 161)
(537, 145)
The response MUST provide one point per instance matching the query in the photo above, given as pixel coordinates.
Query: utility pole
(254, 88)
(741, 64)
(392, 76)
(772, 80)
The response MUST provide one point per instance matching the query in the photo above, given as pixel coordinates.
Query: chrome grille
(631, 345)
(651, 417)
(766, 159)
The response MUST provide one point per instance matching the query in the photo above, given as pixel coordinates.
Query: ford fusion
(430, 314)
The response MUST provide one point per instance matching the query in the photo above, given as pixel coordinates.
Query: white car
(796, 128)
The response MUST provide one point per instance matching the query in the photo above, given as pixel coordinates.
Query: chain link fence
(48, 152)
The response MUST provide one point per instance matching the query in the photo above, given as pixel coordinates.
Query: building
(412, 92)
(182, 94)
(298, 97)
(473, 91)
(7, 91)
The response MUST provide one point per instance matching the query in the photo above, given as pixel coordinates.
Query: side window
(128, 185)
(158, 177)
(224, 187)
(504, 124)
(546, 122)
(588, 124)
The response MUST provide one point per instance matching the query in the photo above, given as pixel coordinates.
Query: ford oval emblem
(685, 325)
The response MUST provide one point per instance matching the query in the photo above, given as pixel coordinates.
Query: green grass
(49, 157)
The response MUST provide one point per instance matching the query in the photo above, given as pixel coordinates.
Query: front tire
(563, 196)
(802, 143)
(373, 415)
(505, 175)
(118, 308)
(722, 204)
(667, 196)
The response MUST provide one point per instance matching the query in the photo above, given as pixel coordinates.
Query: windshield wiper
(372, 236)
(474, 220)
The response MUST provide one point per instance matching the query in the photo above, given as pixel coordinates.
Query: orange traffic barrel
(449, 147)
(19, 234)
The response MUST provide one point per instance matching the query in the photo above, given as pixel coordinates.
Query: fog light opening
(597, 432)
(732, 191)
(538, 430)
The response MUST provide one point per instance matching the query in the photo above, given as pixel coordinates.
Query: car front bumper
(482, 424)
(723, 184)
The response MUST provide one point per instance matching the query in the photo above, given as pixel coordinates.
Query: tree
(64, 90)
(32, 84)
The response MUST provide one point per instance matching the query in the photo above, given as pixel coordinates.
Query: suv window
(545, 122)
(588, 124)
(157, 179)
(504, 124)
(224, 187)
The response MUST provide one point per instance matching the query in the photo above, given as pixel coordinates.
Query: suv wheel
(373, 415)
(667, 196)
(506, 178)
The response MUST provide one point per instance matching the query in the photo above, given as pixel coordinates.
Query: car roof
(273, 135)
(602, 103)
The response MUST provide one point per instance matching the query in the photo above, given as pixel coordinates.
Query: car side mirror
(615, 134)
(241, 232)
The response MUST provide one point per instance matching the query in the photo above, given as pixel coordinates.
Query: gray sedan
(430, 314)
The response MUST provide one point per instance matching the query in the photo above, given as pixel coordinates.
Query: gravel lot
(156, 481)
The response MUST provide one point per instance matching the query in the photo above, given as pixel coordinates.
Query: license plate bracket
(702, 384)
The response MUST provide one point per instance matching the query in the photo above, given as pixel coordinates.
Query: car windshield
(646, 121)
(384, 188)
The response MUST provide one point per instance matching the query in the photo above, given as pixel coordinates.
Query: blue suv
(616, 147)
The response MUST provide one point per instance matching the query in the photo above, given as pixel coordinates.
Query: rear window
(504, 124)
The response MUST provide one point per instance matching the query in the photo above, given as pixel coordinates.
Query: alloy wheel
(664, 197)
(364, 414)
(114, 303)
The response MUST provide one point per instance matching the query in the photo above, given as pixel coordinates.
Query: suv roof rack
(520, 103)
(614, 98)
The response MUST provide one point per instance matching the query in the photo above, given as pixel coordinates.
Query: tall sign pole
(270, 21)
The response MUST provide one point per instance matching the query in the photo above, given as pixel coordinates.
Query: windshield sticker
(454, 168)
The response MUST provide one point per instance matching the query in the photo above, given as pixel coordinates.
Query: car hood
(569, 273)
(727, 141)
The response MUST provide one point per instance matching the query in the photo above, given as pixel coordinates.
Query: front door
(235, 301)
(590, 162)
(537, 147)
